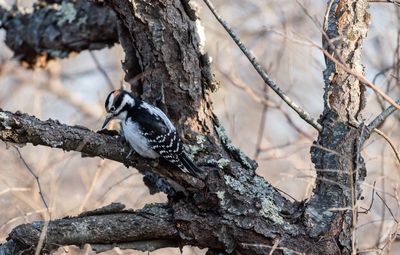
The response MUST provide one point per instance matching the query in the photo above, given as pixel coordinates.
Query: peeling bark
(339, 166)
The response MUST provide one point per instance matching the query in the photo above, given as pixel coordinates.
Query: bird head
(117, 104)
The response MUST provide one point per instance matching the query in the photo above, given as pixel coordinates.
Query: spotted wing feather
(170, 147)
(162, 137)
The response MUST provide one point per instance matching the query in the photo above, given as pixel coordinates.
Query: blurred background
(283, 38)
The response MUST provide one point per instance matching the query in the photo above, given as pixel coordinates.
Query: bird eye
(112, 109)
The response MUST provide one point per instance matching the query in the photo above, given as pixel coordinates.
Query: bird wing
(159, 130)
(162, 136)
(167, 145)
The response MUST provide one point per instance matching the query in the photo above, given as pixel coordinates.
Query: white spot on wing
(170, 144)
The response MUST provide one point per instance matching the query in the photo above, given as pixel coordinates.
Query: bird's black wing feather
(149, 123)
(163, 140)
(190, 165)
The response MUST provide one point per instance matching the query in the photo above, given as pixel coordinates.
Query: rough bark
(231, 209)
(336, 154)
(54, 29)
(21, 128)
(104, 228)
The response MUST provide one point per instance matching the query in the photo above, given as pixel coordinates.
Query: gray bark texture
(54, 29)
(230, 209)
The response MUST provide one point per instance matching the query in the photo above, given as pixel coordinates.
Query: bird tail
(189, 165)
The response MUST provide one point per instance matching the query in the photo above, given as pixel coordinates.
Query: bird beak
(109, 117)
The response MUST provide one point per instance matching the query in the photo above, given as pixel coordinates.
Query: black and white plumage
(148, 130)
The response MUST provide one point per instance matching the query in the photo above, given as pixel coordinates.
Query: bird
(148, 130)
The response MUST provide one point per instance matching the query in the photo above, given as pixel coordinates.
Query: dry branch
(54, 29)
(21, 129)
(262, 72)
(382, 116)
(345, 28)
(103, 229)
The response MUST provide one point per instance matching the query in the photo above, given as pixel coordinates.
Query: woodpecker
(147, 130)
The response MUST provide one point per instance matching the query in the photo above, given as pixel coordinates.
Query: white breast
(137, 140)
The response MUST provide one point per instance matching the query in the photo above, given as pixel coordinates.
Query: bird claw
(130, 153)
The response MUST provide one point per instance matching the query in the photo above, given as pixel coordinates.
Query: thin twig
(293, 125)
(287, 194)
(7, 190)
(373, 222)
(353, 186)
(370, 251)
(42, 236)
(287, 144)
(357, 75)
(43, 231)
(318, 146)
(103, 197)
(323, 28)
(284, 155)
(274, 246)
(270, 247)
(92, 186)
(238, 83)
(385, 1)
(382, 227)
(390, 210)
(55, 86)
(396, 152)
(381, 72)
(143, 74)
(102, 71)
(261, 126)
(326, 16)
(13, 221)
(34, 176)
(372, 201)
(302, 113)
(382, 191)
(362, 79)
(381, 117)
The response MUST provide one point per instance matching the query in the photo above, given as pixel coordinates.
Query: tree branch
(382, 117)
(263, 73)
(54, 30)
(147, 229)
(22, 129)
(337, 147)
